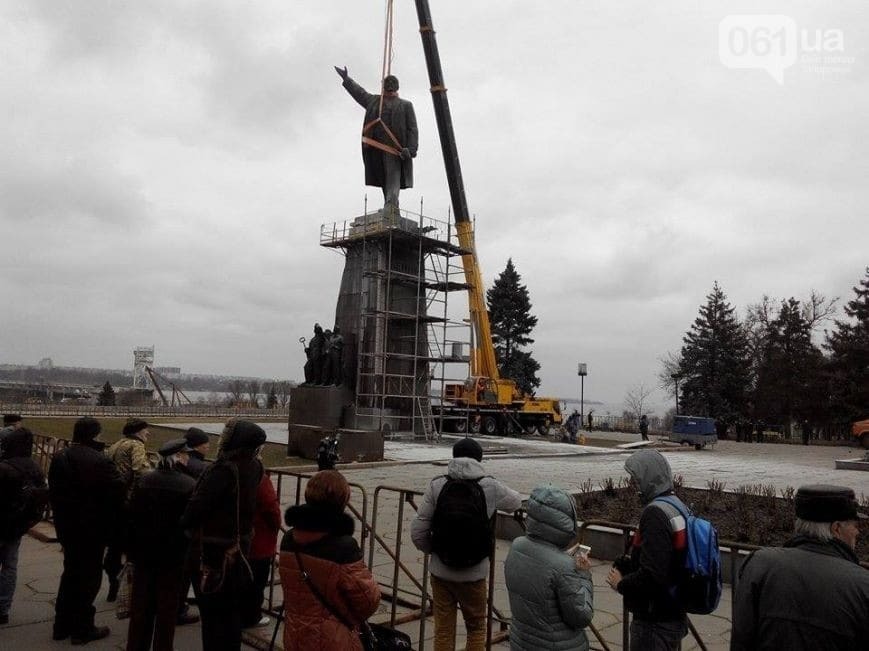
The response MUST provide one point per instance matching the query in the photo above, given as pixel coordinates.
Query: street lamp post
(581, 371)
(675, 378)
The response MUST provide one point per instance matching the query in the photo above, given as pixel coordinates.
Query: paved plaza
(521, 463)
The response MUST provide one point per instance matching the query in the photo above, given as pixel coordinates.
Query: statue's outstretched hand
(342, 72)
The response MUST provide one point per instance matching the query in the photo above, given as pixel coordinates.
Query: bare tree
(635, 399)
(671, 365)
(253, 389)
(235, 389)
(818, 309)
(283, 391)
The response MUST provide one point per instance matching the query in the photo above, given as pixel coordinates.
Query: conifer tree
(512, 322)
(713, 369)
(849, 358)
(106, 397)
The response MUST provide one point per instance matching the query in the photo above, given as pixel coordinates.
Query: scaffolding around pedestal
(404, 341)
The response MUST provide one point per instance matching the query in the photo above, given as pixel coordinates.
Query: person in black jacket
(22, 489)
(87, 498)
(197, 444)
(158, 548)
(811, 593)
(646, 578)
(219, 517)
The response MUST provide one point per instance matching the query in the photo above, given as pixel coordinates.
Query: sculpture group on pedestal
(325, 353)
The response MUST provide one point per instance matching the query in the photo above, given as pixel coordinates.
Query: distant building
(171, 372)
(45, 364)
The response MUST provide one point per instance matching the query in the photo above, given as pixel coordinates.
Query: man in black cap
(131, 458)
(811, 593)
(389, 137)
(462, 584)
(198, 443)
(158, 548)
(11, 422)
(87, 497)
(219, 518)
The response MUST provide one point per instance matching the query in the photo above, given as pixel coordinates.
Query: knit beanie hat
(468, 447)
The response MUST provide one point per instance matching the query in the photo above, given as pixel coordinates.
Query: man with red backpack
(455, 525)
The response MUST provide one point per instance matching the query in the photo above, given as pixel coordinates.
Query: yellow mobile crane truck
(486, 402)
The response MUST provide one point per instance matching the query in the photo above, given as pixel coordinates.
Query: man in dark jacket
(87, 498)
(22, 494)
(811, 593)
(646, 578)
(389, 137)
(197, 444)
(158, 548)
(219, 517)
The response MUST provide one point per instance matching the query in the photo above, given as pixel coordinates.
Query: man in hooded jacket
(87, 499)
(463, 587)
(219, 518)
(19, 475)
(646, 578)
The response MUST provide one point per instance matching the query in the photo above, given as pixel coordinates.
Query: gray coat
(498, 498)
(811, 594)
(552, 602)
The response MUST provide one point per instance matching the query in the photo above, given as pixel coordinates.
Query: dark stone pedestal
(317, 412)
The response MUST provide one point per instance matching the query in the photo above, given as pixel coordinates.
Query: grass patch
(274, 455)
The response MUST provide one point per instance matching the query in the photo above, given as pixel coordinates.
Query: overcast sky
(166, 167)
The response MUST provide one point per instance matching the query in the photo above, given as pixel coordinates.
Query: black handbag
(374, 637)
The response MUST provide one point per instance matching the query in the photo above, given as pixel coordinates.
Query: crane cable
(385, 70)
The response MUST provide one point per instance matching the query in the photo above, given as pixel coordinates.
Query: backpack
(699, 585)
(461, 529)
(27, 508)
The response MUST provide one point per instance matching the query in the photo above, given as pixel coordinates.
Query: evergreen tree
(788, 376)
(106, 397)
(849, 358)
(272, 399)
(713, 370)
(512, 322)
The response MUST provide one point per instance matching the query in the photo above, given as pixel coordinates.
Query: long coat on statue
(398, 115)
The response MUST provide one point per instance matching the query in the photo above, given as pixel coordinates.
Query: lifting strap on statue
(384, 72)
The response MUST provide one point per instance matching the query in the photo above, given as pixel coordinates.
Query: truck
(860, 431)
(694, 430)
(485, 402)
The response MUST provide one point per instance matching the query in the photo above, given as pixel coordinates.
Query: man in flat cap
(131, 458)
(158, 548)
(389, 137)
(198, 443)
(811, 593)
(87, 497)
(460, 580)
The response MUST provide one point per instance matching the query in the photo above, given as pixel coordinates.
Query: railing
(198, 411)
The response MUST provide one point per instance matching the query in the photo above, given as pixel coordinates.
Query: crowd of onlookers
(213, 528)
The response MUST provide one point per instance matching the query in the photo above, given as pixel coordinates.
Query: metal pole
(581, 396)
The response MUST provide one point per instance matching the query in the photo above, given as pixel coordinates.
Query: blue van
(694, 430)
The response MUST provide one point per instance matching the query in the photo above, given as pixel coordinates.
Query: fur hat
(134, 426)
(468, 447)
(826, 503)
(196, 437)
(85, 429)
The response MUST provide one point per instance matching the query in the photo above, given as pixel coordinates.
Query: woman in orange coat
(320, 543)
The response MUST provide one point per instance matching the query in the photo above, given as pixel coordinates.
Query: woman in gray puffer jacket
(551, 592)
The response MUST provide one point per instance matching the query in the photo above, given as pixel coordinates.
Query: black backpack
(461, 529)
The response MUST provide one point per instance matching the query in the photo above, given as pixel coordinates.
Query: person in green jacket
(551, 592)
